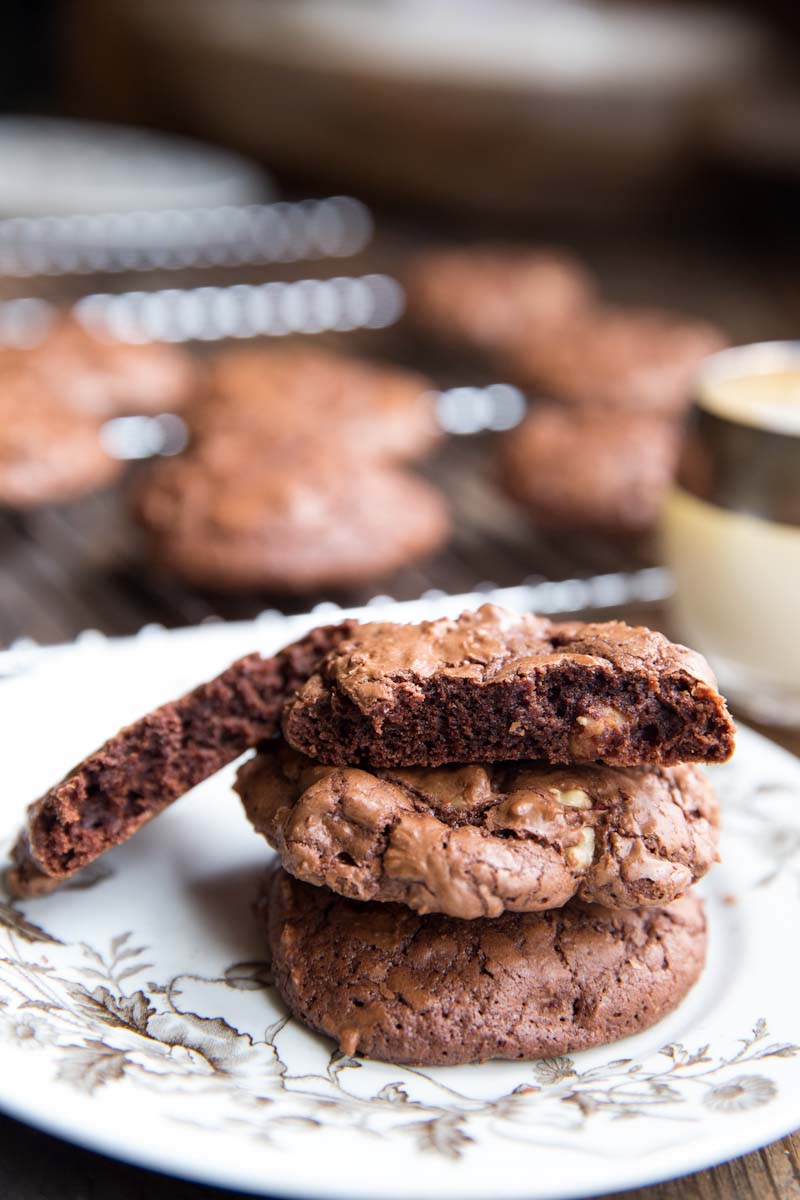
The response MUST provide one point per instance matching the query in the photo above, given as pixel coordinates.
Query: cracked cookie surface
(475, 841)
(388, 983)
(496, 686)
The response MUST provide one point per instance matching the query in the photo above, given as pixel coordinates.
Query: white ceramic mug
(731, 527)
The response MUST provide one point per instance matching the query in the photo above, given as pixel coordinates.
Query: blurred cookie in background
(292, 393)
(49, 453)
(580, 470)
(489, 297)
(104, 377)
(536, 315)
(629, 359)
(289, 523)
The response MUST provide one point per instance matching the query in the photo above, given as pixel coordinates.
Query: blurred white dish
(51, 166)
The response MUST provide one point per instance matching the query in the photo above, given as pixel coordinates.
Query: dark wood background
(66, 569)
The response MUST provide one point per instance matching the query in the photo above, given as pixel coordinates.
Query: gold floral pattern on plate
(102, 1032)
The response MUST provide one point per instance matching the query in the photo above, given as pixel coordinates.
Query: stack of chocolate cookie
(488, 831)
(488, 827)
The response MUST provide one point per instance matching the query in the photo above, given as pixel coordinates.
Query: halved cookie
(140, 771)
(493, 686)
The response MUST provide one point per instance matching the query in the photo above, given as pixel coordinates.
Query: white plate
(136, 1016)
(52, 166)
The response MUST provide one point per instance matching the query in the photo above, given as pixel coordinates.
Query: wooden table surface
(63, 570)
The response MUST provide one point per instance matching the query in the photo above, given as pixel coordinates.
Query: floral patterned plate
(137, 1015)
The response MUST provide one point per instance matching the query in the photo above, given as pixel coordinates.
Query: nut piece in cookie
(479, 840)
(295, 523)
(493, 686)
(589, 470)
(146, 766)
(489, 297)
(388, 983)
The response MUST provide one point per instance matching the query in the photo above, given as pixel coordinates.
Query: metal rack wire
(177, 239)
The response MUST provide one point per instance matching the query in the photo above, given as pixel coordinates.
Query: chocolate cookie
(48, 453)
(288, 394)
(492, 296)
(632, 359)
(475, 841)
(145, 767)
(385, 982)
(494, 686)
(289, 524)
(579, 469)
(103, 377)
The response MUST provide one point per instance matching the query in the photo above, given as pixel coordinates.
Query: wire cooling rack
(68, 569)
(177, 239)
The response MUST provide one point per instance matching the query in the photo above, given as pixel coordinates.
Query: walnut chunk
(580, 856)
(572, 797)
(595, 733)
